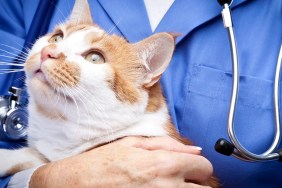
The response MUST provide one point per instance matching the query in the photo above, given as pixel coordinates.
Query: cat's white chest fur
(57, 138)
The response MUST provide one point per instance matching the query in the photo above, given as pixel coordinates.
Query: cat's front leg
(13, 161)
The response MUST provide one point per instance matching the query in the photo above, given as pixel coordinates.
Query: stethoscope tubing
(239, 151)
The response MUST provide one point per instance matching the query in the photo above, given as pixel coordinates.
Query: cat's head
(79, 64)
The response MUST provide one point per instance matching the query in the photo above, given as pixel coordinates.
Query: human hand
(128, 162)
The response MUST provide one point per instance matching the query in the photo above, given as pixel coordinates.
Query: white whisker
(13, 54)
(12, 64)
(115, 26)
(13, 57)
(77, 108)
(59, 10)
(27, 50)
(76, 91)
(9, 69)
(19, 70)
(98, 109)
(66, 102)
(20, 79)
(14, 49)
(58, 96)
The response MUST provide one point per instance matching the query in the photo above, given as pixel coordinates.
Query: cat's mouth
(40, 75)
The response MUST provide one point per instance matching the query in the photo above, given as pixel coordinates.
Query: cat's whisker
(51, 98)
(59, 10)
(11, 52)
(15, 42)
(98, 110)
(66, 101)
(14, 49)
(114, 26)
(69, 6)
(19, 59)
(12, 64)
(78, 93)
(84, 95)
(77, 107)
(13, 57)
(9, 69)
(20, 79)
(14, 54)
(21, 46)
(12, 71)
(58, 96)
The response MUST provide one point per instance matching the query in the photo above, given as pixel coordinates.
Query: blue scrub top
(198, 81)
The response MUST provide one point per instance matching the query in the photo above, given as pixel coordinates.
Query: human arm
(135, 162)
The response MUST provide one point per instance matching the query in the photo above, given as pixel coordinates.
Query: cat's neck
(58, 138)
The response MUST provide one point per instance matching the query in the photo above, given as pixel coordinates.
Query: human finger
(162, 143)
(196, 168)
(189, 167)
(193, 185)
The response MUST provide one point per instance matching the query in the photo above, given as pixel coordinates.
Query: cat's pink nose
(49, 52)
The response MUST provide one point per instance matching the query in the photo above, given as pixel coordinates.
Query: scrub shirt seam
(187, 88)
(214, 101)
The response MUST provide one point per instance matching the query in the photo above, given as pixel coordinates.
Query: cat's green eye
(56, 38)
(95, 57)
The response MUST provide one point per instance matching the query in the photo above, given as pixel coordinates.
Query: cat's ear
(81, 12)
(156, 52)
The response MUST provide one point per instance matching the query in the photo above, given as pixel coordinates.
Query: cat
(88, 88)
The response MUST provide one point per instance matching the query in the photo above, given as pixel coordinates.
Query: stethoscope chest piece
(14, 115)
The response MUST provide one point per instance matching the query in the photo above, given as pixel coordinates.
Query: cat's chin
(39, 80)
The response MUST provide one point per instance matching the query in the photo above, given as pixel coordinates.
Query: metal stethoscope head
(234, 147)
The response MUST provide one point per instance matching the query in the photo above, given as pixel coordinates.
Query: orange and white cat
(88, 88)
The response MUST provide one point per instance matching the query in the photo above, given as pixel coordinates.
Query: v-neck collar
(182, 17)
(134, 28)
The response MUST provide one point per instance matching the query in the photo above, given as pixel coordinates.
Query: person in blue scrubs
(198, 81)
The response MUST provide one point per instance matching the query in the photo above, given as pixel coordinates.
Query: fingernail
(198, 148)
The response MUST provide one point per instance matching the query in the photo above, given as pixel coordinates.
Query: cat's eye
(56, 38)
(95, 57)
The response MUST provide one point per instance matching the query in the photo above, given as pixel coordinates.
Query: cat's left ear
(81, 12)
(156, 52)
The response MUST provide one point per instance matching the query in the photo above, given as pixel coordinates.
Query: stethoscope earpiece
(223, 2)
(224, 147)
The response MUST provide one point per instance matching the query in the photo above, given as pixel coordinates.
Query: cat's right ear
(81, 13)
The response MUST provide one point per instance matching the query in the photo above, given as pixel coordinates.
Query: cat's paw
(13, 161)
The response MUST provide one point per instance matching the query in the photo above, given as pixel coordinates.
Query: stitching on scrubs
(194, 72)
(249, 86)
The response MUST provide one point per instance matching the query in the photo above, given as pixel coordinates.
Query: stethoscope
(235, 148)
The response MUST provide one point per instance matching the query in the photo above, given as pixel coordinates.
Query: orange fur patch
(26, 165)
(124, 90)
(19, 167)
(63, 73)
(156, 99)
(74, 27)
(50, 113)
